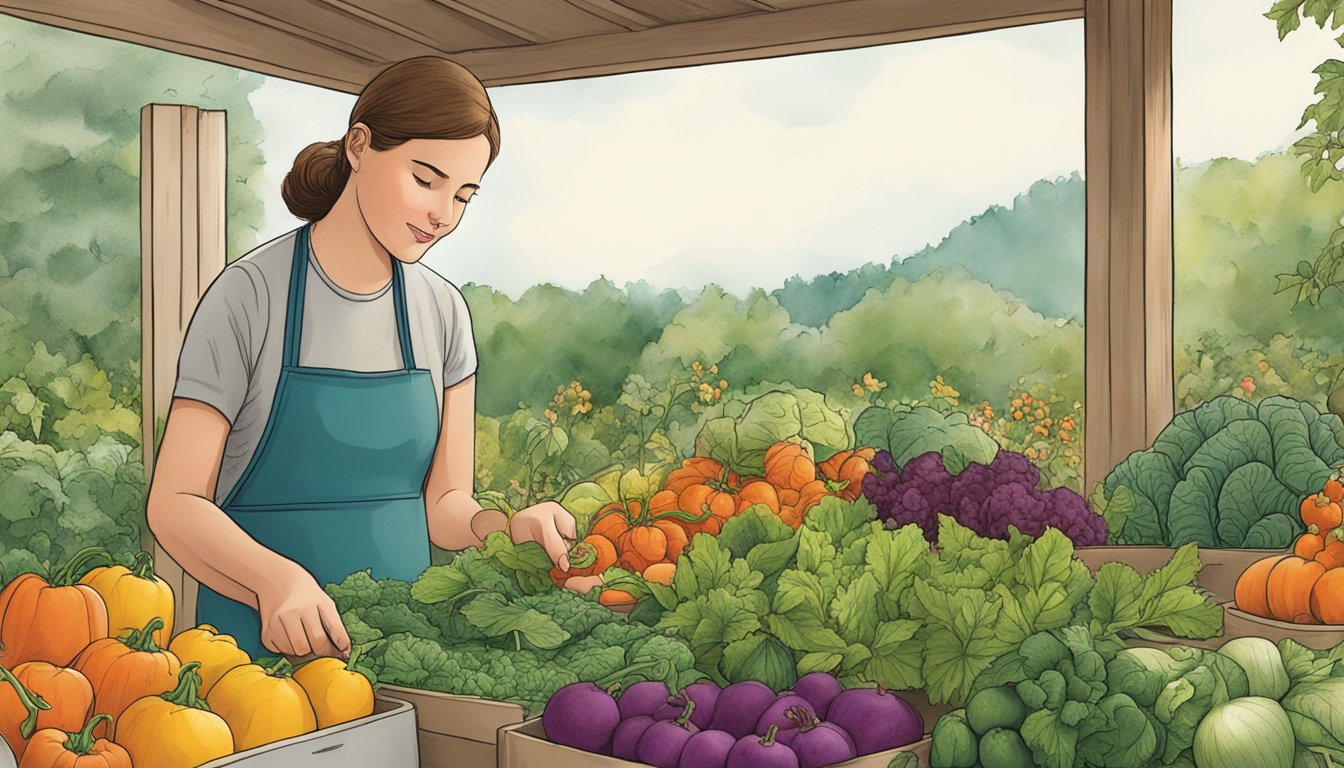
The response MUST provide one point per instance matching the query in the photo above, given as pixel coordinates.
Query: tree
(1322, 151)
(70, 165)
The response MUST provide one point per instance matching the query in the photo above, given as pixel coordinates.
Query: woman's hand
(548, 524)
(299, 618)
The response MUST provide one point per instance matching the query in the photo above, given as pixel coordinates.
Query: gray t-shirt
(232, 354)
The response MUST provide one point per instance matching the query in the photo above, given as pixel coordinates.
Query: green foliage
(906, 432)
(1227, 474)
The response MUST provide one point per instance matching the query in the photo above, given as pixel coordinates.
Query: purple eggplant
(642, 698)
(761, 752)
(820, 744)
(740, 706)
(876, 719)
(819, 688)
(582, 716)
(777, 714)
(707, 749)
(662, 744)
(625, 743)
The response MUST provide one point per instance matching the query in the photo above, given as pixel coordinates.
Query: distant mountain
(1033, 250)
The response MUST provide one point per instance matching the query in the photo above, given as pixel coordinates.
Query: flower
(858, 390)
(551, 415)
(1263, 366)
(1248, 385)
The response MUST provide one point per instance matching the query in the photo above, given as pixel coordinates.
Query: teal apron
(336, 483)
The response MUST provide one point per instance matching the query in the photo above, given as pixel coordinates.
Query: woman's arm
(297, 616)
(456, 519)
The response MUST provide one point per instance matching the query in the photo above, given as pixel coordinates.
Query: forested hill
(1033, 249)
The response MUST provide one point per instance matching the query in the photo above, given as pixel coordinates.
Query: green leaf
(410, 660)
(1304, 665)
(772, 557)
(1112, 597)
(755, 526)
(439, 584)
(759, 656)
(818, 661)
(960, 638)
(799, 616)
(854, 612)
(897, 656)
(496, 617)
(1053, 744)
(530, 564)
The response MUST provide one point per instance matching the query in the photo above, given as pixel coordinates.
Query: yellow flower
(714, 368)
(1042, 431)
(717, 393)
(723, 383)
(1065, 436)
(576, 410)
(858, 390)
(1017, 402)
(1077, 405)
(696, 366)
(1263, 366)
(1049, 422)
(1040, 414)
(1017, 415)
(586, 395)
(551, 415)
(1030, 453)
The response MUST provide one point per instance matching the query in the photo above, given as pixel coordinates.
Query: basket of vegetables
(743, 725)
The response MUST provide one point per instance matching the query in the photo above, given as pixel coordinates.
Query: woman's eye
(463, 200)
(420, 181)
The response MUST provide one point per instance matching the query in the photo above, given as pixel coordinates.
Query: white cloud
(745, 174)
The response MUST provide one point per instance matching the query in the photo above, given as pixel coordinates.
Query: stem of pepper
(143, 639)
(66, 577)
(30, 701)
(143, 567)
(186, 694)
(81, 742)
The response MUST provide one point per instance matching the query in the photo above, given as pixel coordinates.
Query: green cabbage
(907, 432)
(1250, 731)
(1263, 664)
(1228, 474)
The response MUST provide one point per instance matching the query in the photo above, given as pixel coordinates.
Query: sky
(745, 174)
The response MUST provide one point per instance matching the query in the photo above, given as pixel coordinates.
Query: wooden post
(1129, 378)
(182, 166)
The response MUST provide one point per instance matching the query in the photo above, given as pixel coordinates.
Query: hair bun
(315, 182)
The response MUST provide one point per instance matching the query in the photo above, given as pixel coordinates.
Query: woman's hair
(428, 97)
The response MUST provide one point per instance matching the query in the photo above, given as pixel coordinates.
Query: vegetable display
(1306, 586)
(744, 725)
(1225, 474)
(1067, 697)
(986, 498)
(843, 594)
(491, 623)
(121, 698)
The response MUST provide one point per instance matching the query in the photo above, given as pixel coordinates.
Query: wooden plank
(537, 22)
(684, 12)
(427, 24)
(833, 26)
(616, 13)
(1130, 390)
(182, 218)
(1159, 248)
(195, 29)
(322, 23)
(502, 57)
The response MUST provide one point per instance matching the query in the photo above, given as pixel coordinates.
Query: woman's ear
(356, 143)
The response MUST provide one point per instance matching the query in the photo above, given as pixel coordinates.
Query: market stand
(338, 44)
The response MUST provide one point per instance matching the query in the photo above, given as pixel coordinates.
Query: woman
(324, 412)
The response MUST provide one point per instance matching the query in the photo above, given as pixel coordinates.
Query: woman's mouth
(421, 236)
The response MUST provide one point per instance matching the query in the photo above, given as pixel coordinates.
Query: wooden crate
(524, 745)
(457, 731)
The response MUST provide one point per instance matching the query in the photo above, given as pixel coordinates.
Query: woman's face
(414, 194)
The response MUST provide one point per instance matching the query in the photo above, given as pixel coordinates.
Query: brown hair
(428, 97)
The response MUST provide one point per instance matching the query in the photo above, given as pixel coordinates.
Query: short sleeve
(459, 354)
(219, 353)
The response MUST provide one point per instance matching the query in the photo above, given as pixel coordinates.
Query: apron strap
(294, 308)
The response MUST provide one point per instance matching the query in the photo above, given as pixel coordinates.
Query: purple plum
(876, 719)
(625, 744)
(819, 688)
(642, 699)
(581, 716)
(707, 749)
(777, 714)
(740, 706)
(761, 752)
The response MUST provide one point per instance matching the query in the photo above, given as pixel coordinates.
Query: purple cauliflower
(987, 499)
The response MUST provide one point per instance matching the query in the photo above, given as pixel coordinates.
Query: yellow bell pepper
(133, 596)
(217, 653)
(262, 705)
(338, 693)
(174, 729)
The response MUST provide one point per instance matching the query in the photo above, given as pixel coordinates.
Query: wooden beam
(182, 249)
(1129, 306)
(498, 56)
(829, 26)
